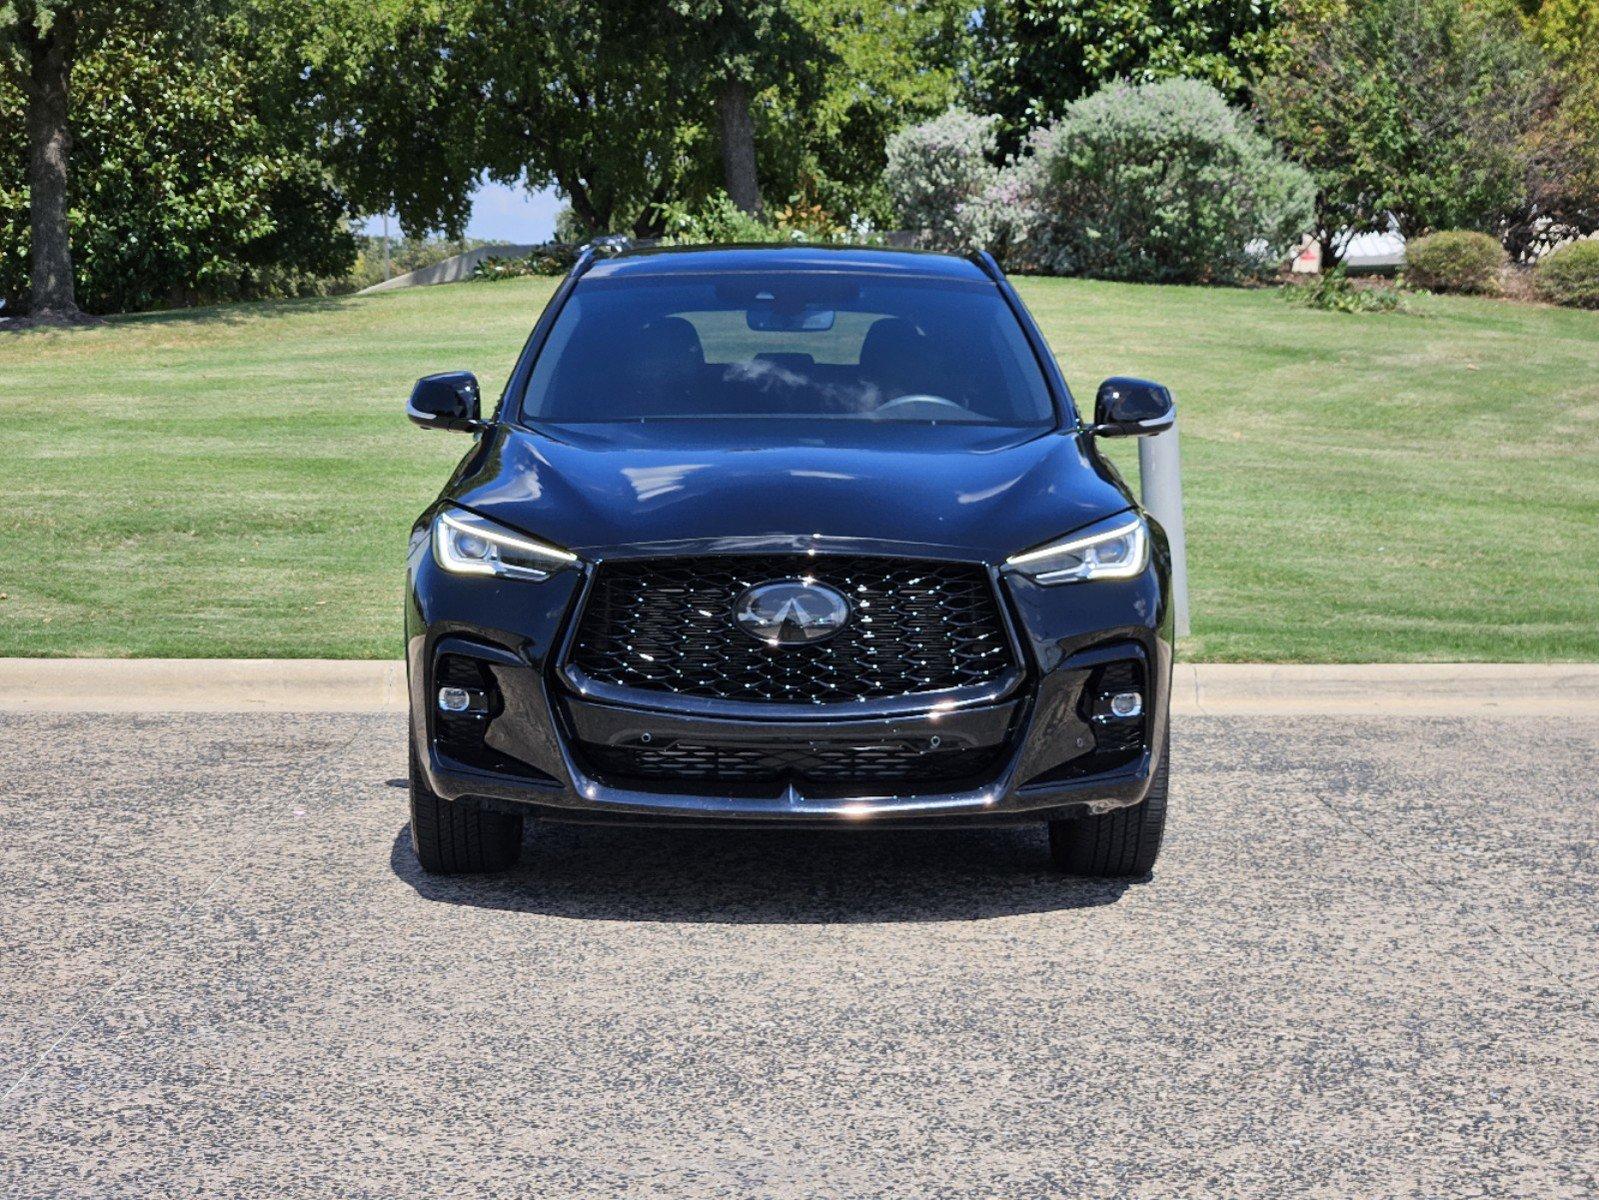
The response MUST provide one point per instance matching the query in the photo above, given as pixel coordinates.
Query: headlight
(1113, 549)
(467, 544)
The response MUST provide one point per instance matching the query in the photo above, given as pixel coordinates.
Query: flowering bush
(1159, 182)
(941, 183)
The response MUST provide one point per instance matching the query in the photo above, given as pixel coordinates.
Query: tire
(1120, 844)
(456, 837)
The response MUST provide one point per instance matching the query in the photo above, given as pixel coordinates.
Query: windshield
(817, 345)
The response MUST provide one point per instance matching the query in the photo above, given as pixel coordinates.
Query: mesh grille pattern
(460, 735)
(1119, 738)
(666, 625)
(824, 763)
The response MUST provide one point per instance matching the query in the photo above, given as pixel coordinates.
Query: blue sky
(502, 214)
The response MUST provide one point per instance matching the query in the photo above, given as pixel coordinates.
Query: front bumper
(536, 761)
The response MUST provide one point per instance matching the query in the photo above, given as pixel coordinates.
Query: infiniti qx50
(801, 536)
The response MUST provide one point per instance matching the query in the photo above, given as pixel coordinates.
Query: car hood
(616, 488)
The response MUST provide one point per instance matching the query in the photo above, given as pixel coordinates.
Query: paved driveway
(1366, 967)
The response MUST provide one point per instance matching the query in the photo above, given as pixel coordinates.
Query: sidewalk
(1243, 689)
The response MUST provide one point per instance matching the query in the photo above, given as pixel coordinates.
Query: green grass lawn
(239, 481)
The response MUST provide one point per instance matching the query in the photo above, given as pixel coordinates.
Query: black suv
(788, 536)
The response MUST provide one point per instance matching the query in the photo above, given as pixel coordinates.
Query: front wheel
(456, 837)
(1120, 844)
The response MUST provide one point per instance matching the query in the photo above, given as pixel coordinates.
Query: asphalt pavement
(1366, 966)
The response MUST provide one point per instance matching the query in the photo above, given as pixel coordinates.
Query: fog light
(454, 699)
(1127, 704)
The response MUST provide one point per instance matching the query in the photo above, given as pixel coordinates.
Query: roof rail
(611, 243)
(583, 261)
(985, 260)
(601, 247)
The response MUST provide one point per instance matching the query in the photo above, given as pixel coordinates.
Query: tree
(625, 106)
(412, 102)
(1562, 176)
(1411, 111)
(182, 194)
(1037, 56)
(381, 92)
(40, 44)
(892, 64)
(586, 97)
(737, 49)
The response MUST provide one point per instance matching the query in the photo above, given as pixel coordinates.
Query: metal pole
(1160, 485)
(388, 272)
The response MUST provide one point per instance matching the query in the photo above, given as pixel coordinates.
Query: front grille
(818, 767)
(666, 625)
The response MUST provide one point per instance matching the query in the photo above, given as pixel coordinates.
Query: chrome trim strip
(914, 704)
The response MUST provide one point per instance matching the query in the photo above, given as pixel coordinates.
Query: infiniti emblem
(791, 612)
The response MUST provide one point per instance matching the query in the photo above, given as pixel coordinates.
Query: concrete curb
(1241, 689)
(1417, 689)
(201, 685)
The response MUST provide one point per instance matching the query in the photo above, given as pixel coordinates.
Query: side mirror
(447, 401)
(1132, 408)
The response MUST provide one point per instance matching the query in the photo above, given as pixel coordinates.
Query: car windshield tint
(819, 345)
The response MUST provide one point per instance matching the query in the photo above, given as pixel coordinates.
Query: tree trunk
(1330, 256)
(649, 224)
(49, 147)
(582, 204)
(738, 145)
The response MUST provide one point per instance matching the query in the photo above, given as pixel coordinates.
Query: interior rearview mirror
(807, 319)
(446, 401)
(1132, 408)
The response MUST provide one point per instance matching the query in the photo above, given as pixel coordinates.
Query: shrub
(938, 176)
(997, 219)
(1454, 261)
(1570, 275)
(811, 221)
(1336, 292)
(552, 258)
(718, 220)
(1160, 182)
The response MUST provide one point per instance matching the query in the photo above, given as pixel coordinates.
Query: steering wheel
(922, 398)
